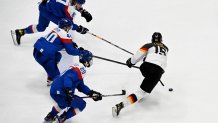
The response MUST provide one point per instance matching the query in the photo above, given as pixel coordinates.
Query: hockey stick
(110, 95)
(109, 42)
(112, 61)
(119, 63)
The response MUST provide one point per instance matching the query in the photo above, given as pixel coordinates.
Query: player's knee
(58, 57)
(78, 103)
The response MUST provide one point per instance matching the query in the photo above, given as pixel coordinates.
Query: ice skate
(49, 118)
(116, 109)
(16, 35)
(62, 117)
(49, 81)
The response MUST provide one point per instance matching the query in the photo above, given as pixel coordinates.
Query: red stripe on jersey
(78, 71)
(67, 13)
(32, 28)
(143, 49)
(63, 40)
(66, 40)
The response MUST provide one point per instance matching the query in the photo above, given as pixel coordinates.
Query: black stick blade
(123, 92)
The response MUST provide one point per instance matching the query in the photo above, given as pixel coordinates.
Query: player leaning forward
(155, 61)
(46, 49)
(62, 91)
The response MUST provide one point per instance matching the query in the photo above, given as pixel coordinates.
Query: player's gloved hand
(86, 15)
(128, 63)
(69, 94)
(75, 45)
(82, 30)
(96, 96)
(81, 48)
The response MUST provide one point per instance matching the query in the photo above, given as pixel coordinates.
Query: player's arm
(70, 49)
(68, 80)
(96, 96)
(83, 88)
(138, 55)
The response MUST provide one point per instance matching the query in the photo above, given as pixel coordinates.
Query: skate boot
(19, 33)
(62, 118)
(116, 110)
(49, 118)
(49, 81)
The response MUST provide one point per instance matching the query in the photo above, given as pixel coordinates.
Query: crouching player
(62, 91)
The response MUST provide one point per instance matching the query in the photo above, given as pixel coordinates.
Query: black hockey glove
(128, 63)
(96, 96)
(75, 45)
(69, 94)
(81, 48)
(82, 30)
(86, 15)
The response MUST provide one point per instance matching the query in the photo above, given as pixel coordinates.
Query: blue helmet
(86, 58)
(64, 22)
(81, 2)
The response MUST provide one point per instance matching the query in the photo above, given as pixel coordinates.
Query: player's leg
(77, 105)
(49, 64)
(51, 69)
(43, 23)
(61, 104)
(149, 82)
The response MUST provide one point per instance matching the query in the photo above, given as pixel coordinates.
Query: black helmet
(156, 37)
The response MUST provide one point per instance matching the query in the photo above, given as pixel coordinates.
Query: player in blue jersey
(63, 88)
(46, 49)
(54, 10)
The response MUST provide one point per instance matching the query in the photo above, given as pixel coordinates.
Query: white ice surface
(189, 29)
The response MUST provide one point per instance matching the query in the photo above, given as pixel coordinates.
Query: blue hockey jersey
(55, 41)
(72, 78)
(62, 9)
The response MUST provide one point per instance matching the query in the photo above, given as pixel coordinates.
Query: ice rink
(189, 29)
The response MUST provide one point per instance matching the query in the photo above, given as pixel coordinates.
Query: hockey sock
(134, 97)
(31, 29)
(55, 110)
(72, 112)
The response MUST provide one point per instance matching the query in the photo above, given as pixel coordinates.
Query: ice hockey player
(152, 68)
(62, 92)
(54, 10)
(46, 49)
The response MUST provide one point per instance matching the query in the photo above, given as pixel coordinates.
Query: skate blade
(114, 112)
(49, 83)
(13, 35)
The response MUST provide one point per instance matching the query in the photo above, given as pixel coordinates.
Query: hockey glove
(69, 94)
(81, 48)
(128, 63)
(82, 30)
(75, 45)
(96, 96)
(86, 15)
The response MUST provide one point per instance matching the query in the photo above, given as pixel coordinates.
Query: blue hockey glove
(96, 96)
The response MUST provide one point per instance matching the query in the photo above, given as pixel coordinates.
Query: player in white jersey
(154, 57)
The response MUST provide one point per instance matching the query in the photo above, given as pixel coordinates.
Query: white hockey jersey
(155, 53)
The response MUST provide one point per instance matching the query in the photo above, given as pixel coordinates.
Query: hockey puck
(170, 89)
